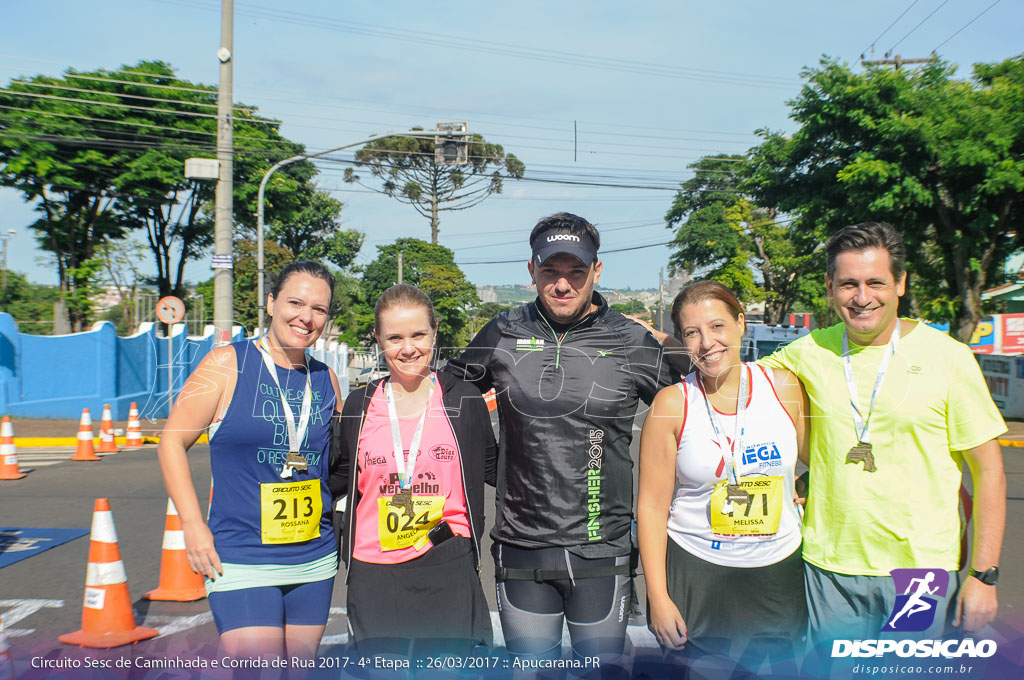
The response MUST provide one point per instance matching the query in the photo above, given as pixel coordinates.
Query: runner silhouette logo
(914, 610)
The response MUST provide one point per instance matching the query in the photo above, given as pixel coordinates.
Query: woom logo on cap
(579, 246)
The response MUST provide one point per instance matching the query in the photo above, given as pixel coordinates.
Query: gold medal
(862, 452)
(294, 461)
(403, 500)
(734, 493)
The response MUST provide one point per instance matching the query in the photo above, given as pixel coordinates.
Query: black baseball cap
(555, 241)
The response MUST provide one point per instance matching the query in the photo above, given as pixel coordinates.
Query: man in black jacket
(569, 373)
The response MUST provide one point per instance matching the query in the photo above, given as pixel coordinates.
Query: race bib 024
(405, 523)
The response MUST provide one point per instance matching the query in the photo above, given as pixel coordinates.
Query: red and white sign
(1013, 333)
(170, 309)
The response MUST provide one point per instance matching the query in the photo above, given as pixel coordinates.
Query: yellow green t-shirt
(933, 405)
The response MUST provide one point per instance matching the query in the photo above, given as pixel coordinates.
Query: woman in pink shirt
(414, 451)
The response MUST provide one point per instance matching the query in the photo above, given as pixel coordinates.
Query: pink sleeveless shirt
(386, 532)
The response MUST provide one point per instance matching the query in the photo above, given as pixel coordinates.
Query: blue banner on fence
(17, 543)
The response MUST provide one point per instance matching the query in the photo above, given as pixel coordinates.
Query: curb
(1012, 443)
(46, 442)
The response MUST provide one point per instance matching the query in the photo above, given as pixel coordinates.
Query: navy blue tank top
(247, 453)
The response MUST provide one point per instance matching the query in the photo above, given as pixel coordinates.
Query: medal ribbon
(406, 468)
(296, 433)
(739, 429)
(860, 423)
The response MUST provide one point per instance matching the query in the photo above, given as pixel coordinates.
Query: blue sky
(651, 87)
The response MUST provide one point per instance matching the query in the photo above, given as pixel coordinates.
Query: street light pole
(260, 288)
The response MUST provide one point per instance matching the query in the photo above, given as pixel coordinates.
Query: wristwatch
(989, 577)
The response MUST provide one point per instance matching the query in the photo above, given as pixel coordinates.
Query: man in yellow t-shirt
(891, 426)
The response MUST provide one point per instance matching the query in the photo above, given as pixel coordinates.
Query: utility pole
(5, 238)
(661, 299)
(223, 213)
(896, 61)
(401, 253)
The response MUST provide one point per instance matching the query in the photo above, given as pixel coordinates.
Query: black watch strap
(989, 577)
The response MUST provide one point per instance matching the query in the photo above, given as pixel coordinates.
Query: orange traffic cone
(107, 443)
(8, 454)
(133, 437)
(107, 616)
(6, 665)
(85, 450)
(177, 580)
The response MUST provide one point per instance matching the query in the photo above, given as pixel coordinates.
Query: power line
(54, 86)
(941, 5)
(190, 114)
(955, 34)
(286, 146)
(241, 120)
(603, 252)
(475, 114)
(463, 43)
(872, 45)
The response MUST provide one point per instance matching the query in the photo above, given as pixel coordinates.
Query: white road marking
(16, 610)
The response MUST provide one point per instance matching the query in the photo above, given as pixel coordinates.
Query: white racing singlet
(770, 450)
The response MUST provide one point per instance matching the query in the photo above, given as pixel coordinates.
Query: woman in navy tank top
(267, 548)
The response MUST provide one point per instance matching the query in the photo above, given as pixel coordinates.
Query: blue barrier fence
(57, 376)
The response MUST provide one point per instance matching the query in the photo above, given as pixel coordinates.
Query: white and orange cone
(178, 583)
(8, 455)
(133, 437)
(6, 664)
(107, 616)
(107, 443)
(491, 399)
(85, 450)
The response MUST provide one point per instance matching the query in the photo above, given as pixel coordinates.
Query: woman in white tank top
(717, 459)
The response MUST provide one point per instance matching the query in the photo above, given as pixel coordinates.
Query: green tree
(479, 316)
(631, 307)
(406, 167)
(246, 307)
(940, 158)
(47, 152)
(340, 248)
(721, 230)
(352, 314)
(121, 267)
(103, 152)
(30, 304)
(433, 269)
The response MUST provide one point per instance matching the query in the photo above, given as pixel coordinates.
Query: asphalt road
(41, 596)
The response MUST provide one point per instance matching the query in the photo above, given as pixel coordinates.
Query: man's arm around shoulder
(474, 364)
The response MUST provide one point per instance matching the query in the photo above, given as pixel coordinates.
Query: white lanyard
(406, 469)
(731, 466)
(860, 423)
(296, 433)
